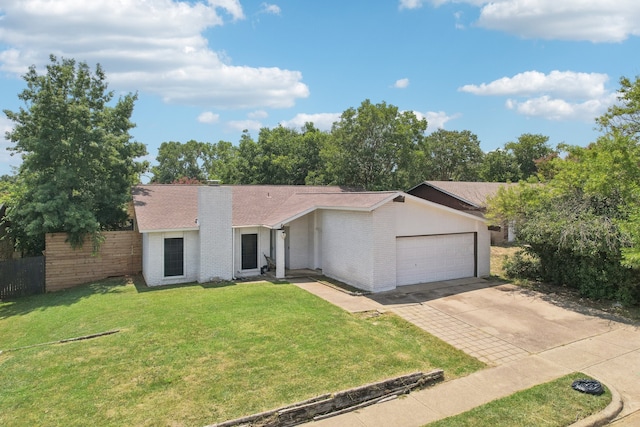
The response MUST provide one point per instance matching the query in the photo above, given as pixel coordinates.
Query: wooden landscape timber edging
(119, 255)
(328, 405)
(63, 341)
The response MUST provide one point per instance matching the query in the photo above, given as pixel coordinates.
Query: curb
(606, 415)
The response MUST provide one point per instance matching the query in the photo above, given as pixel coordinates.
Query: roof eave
(167, 230)
(336, 208)
(442, 190)
(446, 208)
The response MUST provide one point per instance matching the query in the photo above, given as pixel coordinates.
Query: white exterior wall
(215, 252)
(300, 244)
(384, 247)
(264, 248)
(415, 218)
(153, 258)
(484, 250)
(147, 256)
(315, 236)
(347, 247)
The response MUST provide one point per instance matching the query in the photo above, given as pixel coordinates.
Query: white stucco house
(374, 241)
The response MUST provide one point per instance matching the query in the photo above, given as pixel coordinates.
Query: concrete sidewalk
(525, 337)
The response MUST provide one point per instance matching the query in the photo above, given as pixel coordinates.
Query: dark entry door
(249, 251)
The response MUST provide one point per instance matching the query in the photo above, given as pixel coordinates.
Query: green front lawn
(552, 404)
(194, 355)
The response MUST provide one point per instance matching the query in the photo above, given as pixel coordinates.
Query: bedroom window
(174, 257)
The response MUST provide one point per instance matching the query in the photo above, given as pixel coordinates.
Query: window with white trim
(173, 256)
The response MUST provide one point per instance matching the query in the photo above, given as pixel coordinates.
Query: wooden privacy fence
(119, 255)
(21, 277)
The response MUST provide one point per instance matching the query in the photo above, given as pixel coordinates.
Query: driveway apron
(518, 333)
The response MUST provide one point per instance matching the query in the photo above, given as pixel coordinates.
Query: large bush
(578, 224)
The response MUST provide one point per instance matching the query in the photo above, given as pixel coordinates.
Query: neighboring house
(470, 197)
(372, 240)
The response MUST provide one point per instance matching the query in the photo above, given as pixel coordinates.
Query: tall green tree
(313, 142)
(624, 117)
(177, 160)
(283, 156)
(578, 224)
(372, 146)
(249, 164)
(623, 121)
(8, 186)
(527, 150)
(78, 156)
(221, 161)
(451, 155)
(499, 166)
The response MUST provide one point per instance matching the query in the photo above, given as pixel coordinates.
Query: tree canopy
(581, 224)
(448, 155)
(624, 117)
(500, 166)
(528, 149)
(77, 155)
(372, 146)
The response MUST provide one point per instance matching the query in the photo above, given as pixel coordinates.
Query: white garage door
(423, 259)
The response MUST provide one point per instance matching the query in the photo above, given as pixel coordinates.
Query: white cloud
(411, 4)
(322, 121)
(7, 161)
(559, 95)
(232, 7)
(208, 117)
(401, 84)
(258, 114)
(561, 83)
(560, 109)
(435, 119)
(155, 46)
(241, 125)
(591, 20)
(270, 8)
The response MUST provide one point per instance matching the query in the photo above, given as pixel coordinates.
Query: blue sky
(206, 70)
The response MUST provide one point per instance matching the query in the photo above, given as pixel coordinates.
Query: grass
(498, 255)
(194, 355)
(553, 404)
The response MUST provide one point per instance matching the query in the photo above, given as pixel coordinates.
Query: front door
(249, 251)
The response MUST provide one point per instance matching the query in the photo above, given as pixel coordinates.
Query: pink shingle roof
(302, 203)
(165, 207)
(175, 207)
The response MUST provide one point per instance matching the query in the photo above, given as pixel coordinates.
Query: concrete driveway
(509, 327)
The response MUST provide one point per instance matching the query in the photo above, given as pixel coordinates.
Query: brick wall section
(119, 255)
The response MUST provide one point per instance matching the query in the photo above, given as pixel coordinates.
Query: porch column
(280, 236)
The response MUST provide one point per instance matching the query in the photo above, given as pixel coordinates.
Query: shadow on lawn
(141, 286)
(570, 299)
(66, 297)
